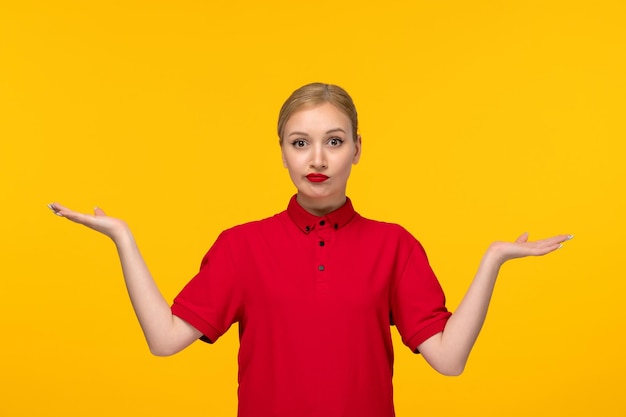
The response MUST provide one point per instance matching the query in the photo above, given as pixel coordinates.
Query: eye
(335, 142)
(299, 143)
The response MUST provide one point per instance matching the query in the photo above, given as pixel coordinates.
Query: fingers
(97, 221)
(59, 210)
(544, 242)
(544, 249)
(55, 208)
(99, 212)
(74, 216)
(522, 247)
(555, 240)
(544, 246)
(522, 238)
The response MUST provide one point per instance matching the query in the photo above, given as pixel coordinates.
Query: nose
(318, 157)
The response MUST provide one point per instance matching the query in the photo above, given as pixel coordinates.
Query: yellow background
(480, 120)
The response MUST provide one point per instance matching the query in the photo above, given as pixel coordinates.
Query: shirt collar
(307, 221)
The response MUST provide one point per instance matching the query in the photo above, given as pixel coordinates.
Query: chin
(321, 197)
(315, 194)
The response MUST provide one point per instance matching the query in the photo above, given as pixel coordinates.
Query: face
(319, 151)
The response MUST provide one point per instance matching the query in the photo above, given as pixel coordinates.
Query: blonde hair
(315, 94)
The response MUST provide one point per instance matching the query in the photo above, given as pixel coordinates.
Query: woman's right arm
(165, 333)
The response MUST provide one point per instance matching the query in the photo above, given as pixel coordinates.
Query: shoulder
(252, 228)
(243, 238)
(384, 229)
(387, 237)
(393, 236)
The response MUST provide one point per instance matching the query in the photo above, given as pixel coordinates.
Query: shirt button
(322, 223)
(307, 228)
(322, 243)
(336, 226)
(321, 267)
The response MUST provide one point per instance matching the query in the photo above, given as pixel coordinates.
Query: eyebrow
(327, 132)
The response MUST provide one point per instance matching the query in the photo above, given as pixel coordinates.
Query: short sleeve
(211, 301)
(418, 303)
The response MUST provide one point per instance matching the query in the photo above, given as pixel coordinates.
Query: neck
(320, 208)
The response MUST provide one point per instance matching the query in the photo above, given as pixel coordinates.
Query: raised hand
(504, 251)
(166, 334)
(98, 221)
(448, 351)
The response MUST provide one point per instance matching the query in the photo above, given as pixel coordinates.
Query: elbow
(448, 363)
(160, 353)
(162, 350)
(451, 371)
(450, 368)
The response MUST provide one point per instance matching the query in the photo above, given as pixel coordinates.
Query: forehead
(323, 116)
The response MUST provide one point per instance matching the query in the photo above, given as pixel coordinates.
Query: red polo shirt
(314, 297)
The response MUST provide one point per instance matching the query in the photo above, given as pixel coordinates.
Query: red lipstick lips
(317, 177)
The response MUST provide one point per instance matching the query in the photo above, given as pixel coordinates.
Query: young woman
(316, 287)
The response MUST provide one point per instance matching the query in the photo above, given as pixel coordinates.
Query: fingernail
(54, 209)
(560, 246)
(570, 237)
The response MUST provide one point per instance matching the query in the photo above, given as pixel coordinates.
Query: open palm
(98, 221)
(521, 247)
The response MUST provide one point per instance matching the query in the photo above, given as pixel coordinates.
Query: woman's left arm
(448, 351)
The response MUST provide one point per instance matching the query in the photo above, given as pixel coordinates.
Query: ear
(282, 155)
(357, 154)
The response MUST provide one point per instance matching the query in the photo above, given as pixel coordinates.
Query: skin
(165, 333)
(316, 141)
